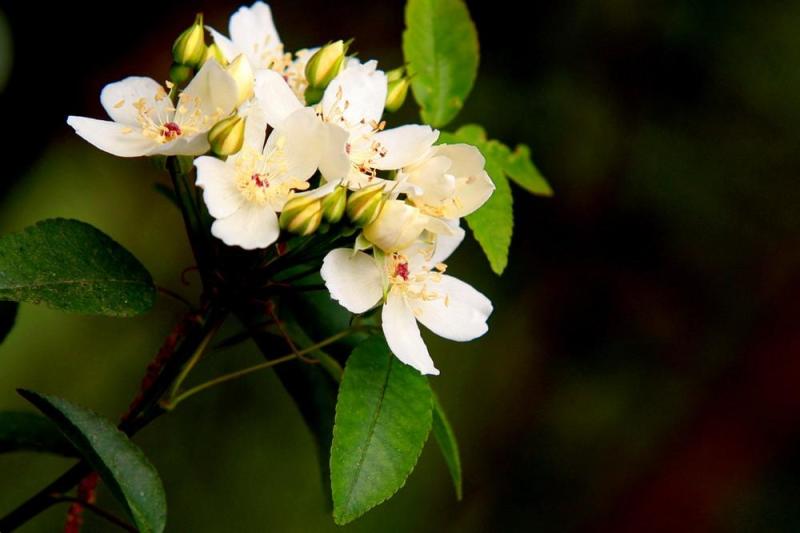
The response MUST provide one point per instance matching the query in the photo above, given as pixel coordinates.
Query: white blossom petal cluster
(294, 149)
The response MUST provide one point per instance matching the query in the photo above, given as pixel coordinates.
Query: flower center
(265, 179)
(401, 270)
(419, 284)
(170, 131)
(260, 181)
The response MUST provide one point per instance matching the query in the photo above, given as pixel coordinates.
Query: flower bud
(227, 136)
(397, 227)
(313, 95)
(180, 74)
(396, 94)
(396, 74)
(325, 64)
(190, 46)
(301, 215)
(365, 204)
(334, 204)
(242, 73)
(213, 52)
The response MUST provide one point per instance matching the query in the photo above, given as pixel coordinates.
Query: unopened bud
(365, 204)
(396, 74)
(213, 52)
(313, 95)
(325, 64)
(227, 136)
(396, 94)
(397, 227)
(180, 74)
(242, 73)
(301, 215)
(190, 46)
(334, 204)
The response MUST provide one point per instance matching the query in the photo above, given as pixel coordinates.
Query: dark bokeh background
(642, 365)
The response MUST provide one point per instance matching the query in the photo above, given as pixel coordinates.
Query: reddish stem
(87, 493)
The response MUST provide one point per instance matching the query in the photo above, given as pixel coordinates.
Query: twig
(99, 511)
(286, 337)
(174, 295)
(261, 366)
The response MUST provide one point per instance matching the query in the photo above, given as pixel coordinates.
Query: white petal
(466, 159)
(118, 100)
(196, 144)
(446, 244)
(471, 193)
(353, 279)
(275, 97)
(250, 227)
(321, 191)
(403, 336)
(218, 181)
(357, 95)
(334, 162)
(301, 135)
(404, 146)
(255, 127)
(225, 45)
(116, 139)
(253, 31)
(473, 186)
(433, 186)
(459, 314)
(212, 91)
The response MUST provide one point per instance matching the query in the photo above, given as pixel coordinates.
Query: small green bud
(396, 94)
(395, 74)
(190, 46)
(364, 205)
(313, 95)
(334, 204)
(301, 215)
(227, 136)
(325, 64)
(213, 52)
(180, 74)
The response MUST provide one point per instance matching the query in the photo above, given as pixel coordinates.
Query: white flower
(276, 100)
(354, 101)
(145, 122)
(351, 110)
(244, 192)
(253, 34)
(449, 183)
(416, 290)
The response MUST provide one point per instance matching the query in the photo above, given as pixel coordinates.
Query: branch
(99, 511)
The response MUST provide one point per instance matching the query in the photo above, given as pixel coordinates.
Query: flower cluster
(289, 141)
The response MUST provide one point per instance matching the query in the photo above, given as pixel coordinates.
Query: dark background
(641, 369)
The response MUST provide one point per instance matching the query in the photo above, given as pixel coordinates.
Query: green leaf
(383, 417)
(521, 169)
(448, 445)
(120, 463)
(493, 224)
(469, 133)
(8, 316)
(440, 45)
(29, 432)
(72, 266)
